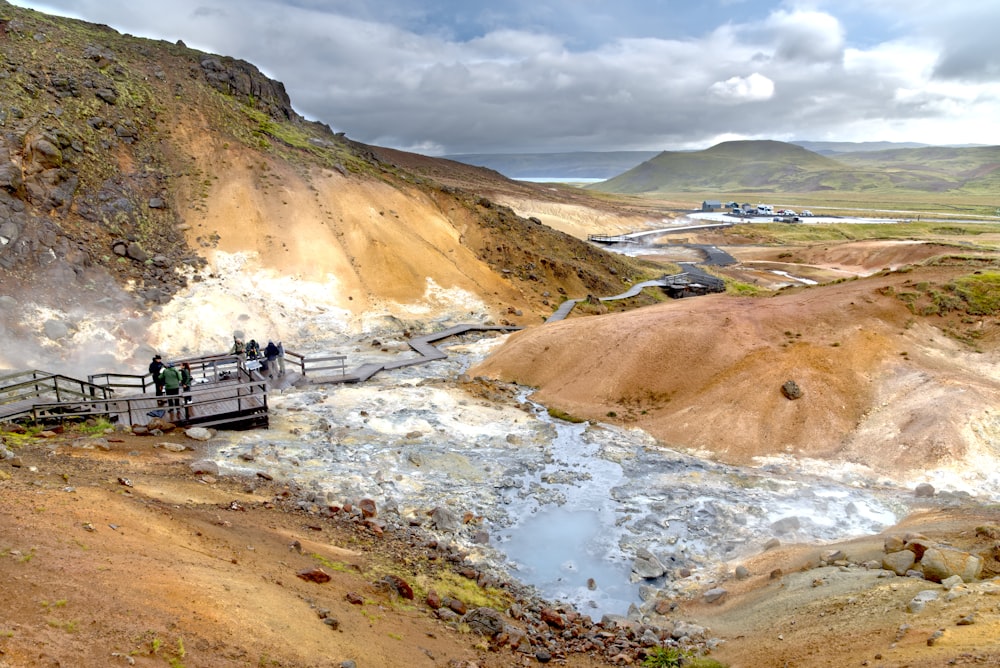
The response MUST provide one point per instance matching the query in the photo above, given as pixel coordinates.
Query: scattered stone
(444, 519)
(172, 447)
(332, 622)
(924, 490)
(714, 594)
(206, 466)
(786, 524)
(968, 620)
(484, 621)
(264, 476)
(434, 600)
(791, 390)
(646, 565)
(354, 598)
(457, 606)
(552, 618)
(742, 573)
(368, 508)
(400, 586)
(199, 433)
(934, 637)
(918, 602)
(771, 544)
(543, 656)
(317, 575)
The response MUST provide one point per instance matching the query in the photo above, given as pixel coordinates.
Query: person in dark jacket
(186, 381)
(156, 371)
(270, 354)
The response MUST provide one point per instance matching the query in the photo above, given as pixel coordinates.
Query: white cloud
(796, 72)
(744, 89)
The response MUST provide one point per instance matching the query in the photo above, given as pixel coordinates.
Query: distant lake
(557, 179)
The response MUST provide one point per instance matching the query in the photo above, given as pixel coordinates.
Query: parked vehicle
(806, 212)
(765, 210)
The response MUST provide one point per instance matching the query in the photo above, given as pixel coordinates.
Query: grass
(560, 414)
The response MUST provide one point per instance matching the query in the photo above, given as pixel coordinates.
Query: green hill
(771, 166)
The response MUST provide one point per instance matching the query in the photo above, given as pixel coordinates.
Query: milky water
(566, 506)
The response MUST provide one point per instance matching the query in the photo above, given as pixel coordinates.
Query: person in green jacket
(172, 380)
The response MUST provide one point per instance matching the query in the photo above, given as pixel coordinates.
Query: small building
(711, 205)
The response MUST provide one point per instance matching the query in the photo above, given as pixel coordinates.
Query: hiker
(270, 355)
(238, 348)
(253, 349)
(186, 381)
(156, 371)
(172, 384)
(281, 359)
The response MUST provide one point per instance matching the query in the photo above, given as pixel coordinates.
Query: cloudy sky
(461, 76)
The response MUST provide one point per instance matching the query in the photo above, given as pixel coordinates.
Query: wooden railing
(205, 404)
(314, 365)
(31, 384)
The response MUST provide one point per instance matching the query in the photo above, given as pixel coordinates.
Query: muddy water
(566, 506)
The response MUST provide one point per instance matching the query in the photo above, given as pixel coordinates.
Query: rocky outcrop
(916, 554)
(244, 81)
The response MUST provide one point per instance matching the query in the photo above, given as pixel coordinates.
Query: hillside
(577, 164)
(777, 167)
(138, 175)
(706, 374)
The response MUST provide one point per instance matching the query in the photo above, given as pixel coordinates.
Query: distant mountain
(771, 166)
(577, 164)
(838, 147)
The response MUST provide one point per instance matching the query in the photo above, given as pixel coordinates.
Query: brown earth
(706, 374)
(124, 557)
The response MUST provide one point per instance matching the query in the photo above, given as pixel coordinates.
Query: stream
(567, 507)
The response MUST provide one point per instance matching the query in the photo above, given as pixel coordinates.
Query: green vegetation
(979, 292)
(560, 414)
(673, 657)
(763, 170)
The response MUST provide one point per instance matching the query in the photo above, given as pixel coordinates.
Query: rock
(918, 602)
(55, 330)
(687, 630)
(952, 582)
(918, 546)
(161, 424)
(354, 598)
(646, 565)
(457, 606)
(786, 525)
(156, 203)
(172, 447)
(136, 252)
(444, 519)
(543, 656)
(714, 594)
(317, 575)
(771, 544)
(484, 621)
(434, 600)
(924, 490)
(400, 586)
(368, 508)
(742, 573)
(791, 390)
(899, 562)
(940, 563)
(204, 466)
(893, 544)
(199, 433)
(552, 618)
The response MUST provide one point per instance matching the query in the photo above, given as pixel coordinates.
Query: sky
(461, 76)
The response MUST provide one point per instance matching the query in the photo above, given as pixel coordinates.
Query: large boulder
(940, 563)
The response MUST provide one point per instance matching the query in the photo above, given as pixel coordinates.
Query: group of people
(170, 380)
(271, 359)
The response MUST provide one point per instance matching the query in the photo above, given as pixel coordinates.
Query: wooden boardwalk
(422, 345)
(224, 394)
